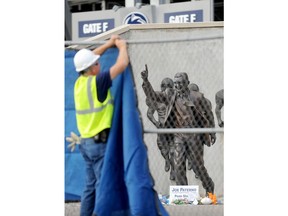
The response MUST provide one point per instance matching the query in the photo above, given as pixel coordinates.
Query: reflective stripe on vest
(92, 116)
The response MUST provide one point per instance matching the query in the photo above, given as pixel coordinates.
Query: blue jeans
(93, 155)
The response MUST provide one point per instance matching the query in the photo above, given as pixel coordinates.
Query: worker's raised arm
(122, 59)
(110, 43)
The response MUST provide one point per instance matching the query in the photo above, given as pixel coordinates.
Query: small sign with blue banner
(94, 27)
(184, 17)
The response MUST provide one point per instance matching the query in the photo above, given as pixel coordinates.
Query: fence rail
(184, 130)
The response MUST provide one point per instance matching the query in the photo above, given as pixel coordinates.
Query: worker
(94, 112)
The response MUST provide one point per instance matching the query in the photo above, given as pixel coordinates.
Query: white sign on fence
(186, 193)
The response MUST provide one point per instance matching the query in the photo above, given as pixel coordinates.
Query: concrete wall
(201, 56)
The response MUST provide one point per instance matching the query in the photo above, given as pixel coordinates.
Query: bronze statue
(219, 98)
(164, 141)
(184, 109)
(207, 112)
(206, 109)
(189, 111)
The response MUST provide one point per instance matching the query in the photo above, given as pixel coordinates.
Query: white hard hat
(84, 58)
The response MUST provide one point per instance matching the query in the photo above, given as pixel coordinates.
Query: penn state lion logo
(135, 18)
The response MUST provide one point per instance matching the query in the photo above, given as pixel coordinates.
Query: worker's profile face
(96, 68)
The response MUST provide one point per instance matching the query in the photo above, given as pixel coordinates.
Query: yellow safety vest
(92, 116)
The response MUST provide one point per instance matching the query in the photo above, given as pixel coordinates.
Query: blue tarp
(126, 186)
(74, 163)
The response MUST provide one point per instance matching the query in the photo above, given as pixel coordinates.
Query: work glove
(74, 139)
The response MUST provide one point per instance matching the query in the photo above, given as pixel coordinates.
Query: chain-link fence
(176, 81)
